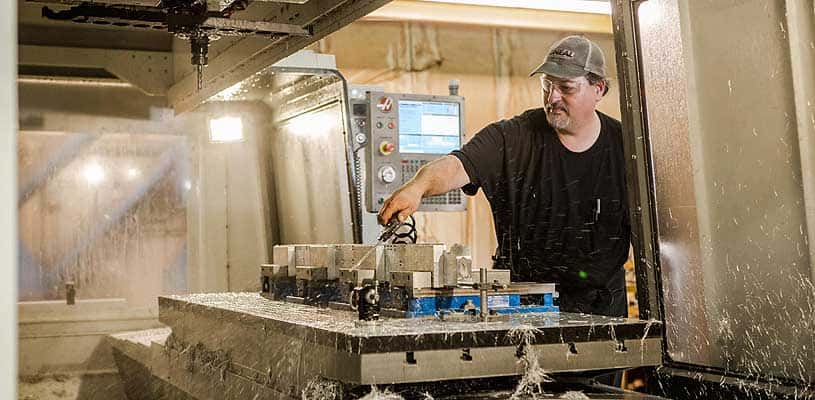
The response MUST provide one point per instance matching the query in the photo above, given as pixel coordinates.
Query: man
(555, 180)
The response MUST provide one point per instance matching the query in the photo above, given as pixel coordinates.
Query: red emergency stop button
(386, 148)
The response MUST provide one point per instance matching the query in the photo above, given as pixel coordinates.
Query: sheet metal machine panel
(401, 133)
(419, 280)
(285, 346)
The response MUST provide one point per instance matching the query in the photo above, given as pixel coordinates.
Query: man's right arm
(437, 177)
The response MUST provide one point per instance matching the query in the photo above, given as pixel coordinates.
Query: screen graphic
(429, 127)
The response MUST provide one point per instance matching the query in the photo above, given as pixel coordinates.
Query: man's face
(569, 101)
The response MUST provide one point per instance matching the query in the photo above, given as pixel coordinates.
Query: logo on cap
(563, 53)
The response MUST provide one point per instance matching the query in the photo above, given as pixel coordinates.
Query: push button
(386, 148)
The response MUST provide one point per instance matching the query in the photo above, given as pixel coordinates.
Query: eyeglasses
(565, 88)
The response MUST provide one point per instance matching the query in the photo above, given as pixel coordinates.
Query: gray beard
(558, 122)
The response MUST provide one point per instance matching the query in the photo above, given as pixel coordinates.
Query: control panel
(404, 132)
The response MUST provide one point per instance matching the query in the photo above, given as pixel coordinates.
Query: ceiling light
(133, 172)
(93, 173)
(649, 14)
(581, 6)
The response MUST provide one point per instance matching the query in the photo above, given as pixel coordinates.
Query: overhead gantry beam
(248, 56)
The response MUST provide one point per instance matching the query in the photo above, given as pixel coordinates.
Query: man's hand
(437, 177)
(401, 204)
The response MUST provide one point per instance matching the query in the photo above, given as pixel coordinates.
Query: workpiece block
(312, 273)
(274, 271)
(412, 279)
(448, 270)
(356, 276)
(464, 266)
(316, 255)
(348, 255)
(413, 257)
(284, 255)
(494, 276)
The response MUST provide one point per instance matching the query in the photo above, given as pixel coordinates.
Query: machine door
(721, 137)
(305, 152)
(309, 161)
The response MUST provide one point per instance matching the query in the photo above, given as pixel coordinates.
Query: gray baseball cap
(572, 57)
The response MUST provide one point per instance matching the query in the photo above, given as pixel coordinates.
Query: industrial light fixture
(44, 80)
(581, 6)
(133, 173)
(649, 14)
(93, 173)
(225, 130)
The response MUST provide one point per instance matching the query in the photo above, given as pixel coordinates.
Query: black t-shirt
(560, 216)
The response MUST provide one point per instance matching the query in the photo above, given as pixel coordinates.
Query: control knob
(387, 174)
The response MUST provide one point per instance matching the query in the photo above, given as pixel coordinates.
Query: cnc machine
(716, 104)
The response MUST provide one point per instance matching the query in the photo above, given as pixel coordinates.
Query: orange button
(391, 125)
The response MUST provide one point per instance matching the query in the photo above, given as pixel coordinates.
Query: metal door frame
(644, 227)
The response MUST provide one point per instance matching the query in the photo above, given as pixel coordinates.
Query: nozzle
(389, 230)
